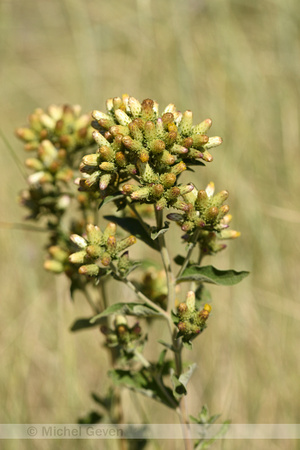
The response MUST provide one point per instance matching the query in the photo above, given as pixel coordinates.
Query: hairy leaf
(209, 274)
(128, 309)
(133, 226)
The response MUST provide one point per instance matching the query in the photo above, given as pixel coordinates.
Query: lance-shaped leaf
(133, 226)
(209, 274)
(155, 233)
(145, 383)
(180, 383)
(84, 323)
(128, 309)
(111, 198)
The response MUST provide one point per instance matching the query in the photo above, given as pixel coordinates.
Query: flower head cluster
(64, 126)
(99, 246)
(209, 215)
(191, 322)
(123, 336)
(137, 143)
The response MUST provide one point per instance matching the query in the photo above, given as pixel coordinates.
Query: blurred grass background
(237, 62)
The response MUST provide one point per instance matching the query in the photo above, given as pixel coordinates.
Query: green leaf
(133, 226)
(91, 418)
(167, 345)
(174, 317)
(84, 323)
(128, 309)
(180, 383)
(188, 345)
(209, 274)
(111, 198)
(155, 233)
(179, 260)
(144, 383)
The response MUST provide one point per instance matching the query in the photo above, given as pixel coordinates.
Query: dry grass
(235, 61)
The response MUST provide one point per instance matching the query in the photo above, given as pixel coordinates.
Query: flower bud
(179, 149)
(182, 309)
(157, 146)
(212, 213)
(94, 234)
(91, 270)
(104, 181)
(140, 193)
(144, 156)
(168, 179)
(190, 301)
(171, 137)
(119, 129)
(91, 160)
(120, 320)
(34, 163)
(100, 139)
(121, 159)
(132, 144)
(110, 230)
(160, 204)
(150, 131)
(78, 257)
(178, 168)
(199, 140)
(157, 190)
(213, 142)
(111, 243)
(167, 118)
(78, 240)
(122, 117)
(135, 130)
(134, 106)
(128, 189)
(107, 166)
(167, 158)
(181, 327)
(186, 122)
(202, 127)
(147, 112)
(106, 153)
(53, 266)
(26, 134)
(106, 259)
(94, 251)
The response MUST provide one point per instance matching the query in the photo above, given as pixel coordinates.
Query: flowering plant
(132, 158)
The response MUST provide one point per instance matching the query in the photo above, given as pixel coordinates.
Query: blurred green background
(235, 61)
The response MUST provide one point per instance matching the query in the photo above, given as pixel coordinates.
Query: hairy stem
(166, 260)
(191, 247)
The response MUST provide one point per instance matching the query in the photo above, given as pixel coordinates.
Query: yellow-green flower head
(138, 143)
(64, 126)
(97, 246)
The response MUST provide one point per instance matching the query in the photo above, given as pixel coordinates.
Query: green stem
(139, 217)
(191, 247)
(166, 260)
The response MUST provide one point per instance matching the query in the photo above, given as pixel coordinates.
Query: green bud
(34, 163)
(100, 139)
(104, 181)
(78, 257)
(78, 240)
(132, 144)
(190, 301)
(47, 121)
(202, 127)
(141, 193)
(89, 269)
(168, 179)
(125, 243)
(213, 142)
(167, 158)
(91, 160)
(178, 168)
(106, 153)
(147, 173)
(161, 204)
(92, 179)
(179, 149)
(120, 320)
(107, 166)
(150, 131)
(94, 234)
(122, 117)
(119, 129)
(157, 146)
(147, 112)
(157, 190)
(94, 251)
(134, 106)
(199, 140)
(136, 131)
(106, 259)
(212, 213)
(54, 266)
(167, 118)
(186, 123)
(110, 230)
(121, 159)
(26, 134)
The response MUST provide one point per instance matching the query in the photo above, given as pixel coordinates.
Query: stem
(90, 301)
(139, 217)
(191, 247)
(183, 414)
(166, 260)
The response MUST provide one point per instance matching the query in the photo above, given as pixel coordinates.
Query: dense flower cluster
(122, 335)
(98, 246)
(209, 215)
(191, 322)
(63, 125)
(137, 143)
